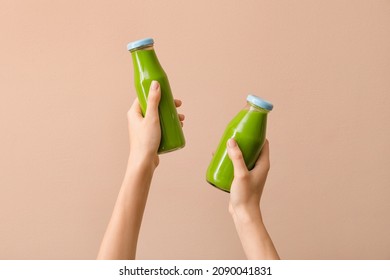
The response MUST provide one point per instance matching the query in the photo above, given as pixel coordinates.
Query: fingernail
(232, 143)
(154, 85)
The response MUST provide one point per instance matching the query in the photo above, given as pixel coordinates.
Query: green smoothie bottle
(146, 69)
(248, 128)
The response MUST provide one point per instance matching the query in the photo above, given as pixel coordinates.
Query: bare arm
(244, 205)
(121, 236)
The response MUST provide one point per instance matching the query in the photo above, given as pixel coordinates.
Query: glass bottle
(146, 69)
(248, 128)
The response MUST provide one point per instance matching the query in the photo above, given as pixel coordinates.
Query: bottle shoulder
(247, 121)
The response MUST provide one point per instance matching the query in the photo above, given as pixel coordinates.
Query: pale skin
(121, 236)
(244, 204)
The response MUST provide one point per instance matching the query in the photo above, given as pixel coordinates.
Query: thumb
(153, 100)
(237, 158)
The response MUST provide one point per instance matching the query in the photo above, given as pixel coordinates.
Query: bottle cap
(140, 43)
(257, 101)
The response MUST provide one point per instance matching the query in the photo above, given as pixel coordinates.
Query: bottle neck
(253, 107)
(148, 47)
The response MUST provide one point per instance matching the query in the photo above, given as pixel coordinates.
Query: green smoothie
(248, 128)
(146, 69)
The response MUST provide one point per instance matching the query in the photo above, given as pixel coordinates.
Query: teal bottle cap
(140, 43)
(257, 101)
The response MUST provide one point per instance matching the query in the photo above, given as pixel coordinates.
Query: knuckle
(153, 97)
(153, 119)
(242, 176)
(237, 155)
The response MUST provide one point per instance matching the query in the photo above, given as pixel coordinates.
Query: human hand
(145, 132)
(121, 236)
(244, 205)
(247, 186)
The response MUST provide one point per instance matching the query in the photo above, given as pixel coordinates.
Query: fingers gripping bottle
(248, 128)
(146, 69)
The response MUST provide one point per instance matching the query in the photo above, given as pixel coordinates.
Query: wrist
(245, 214)
(143, 161)
(139, 169)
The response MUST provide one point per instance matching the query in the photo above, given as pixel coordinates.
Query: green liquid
(146, 69)
(248, 128)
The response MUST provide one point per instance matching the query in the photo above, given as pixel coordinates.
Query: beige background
(66, 85)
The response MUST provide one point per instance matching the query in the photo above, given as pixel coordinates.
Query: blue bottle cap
(140, 43)
(257, 101)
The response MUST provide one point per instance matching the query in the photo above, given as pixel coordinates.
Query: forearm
(120, 239)
(255, 240)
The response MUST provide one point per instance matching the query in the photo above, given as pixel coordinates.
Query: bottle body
(248, 128)
(146, 69)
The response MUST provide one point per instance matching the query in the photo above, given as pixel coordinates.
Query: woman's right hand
(145, 131)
